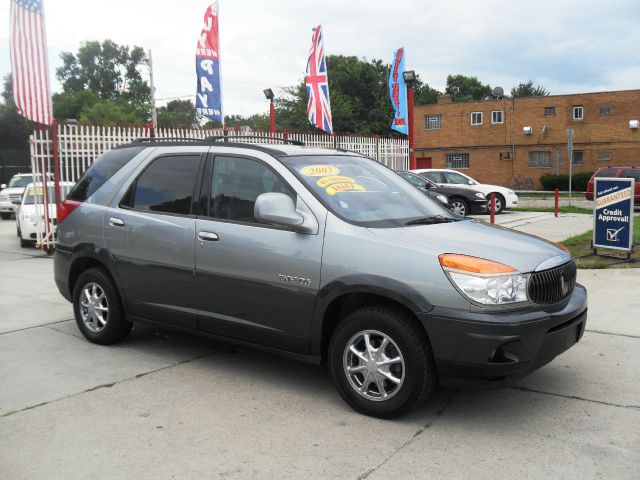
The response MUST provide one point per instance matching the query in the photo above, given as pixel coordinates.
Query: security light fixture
(409, 77)
(268, 93)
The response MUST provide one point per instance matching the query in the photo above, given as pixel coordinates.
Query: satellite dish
(498, 92)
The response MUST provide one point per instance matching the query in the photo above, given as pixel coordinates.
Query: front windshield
(362, 191)
(20, 181)
(33, 194)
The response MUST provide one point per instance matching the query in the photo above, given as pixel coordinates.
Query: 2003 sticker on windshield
(319, 171)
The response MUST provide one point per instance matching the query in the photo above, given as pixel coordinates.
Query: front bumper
(478, 207)
(492, 349)
(7, 207)
(511, 201)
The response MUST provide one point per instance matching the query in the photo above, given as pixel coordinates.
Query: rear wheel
(98, 308)
(26, 243)
(459, 206)
(381, 362)
(500, 203)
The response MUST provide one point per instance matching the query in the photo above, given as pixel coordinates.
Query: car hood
(9, 190)
(469, 237)
(449, 190)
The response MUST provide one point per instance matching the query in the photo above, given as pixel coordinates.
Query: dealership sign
(613, 213)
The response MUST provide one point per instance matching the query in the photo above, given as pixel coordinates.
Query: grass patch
(580, 248)
(563, 209)
(578, 195)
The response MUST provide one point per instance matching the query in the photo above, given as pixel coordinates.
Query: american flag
(29, 64)
(318, 106)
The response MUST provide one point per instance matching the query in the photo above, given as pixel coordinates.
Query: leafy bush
(578, 181)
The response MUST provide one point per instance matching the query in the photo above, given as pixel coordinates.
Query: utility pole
(570, 137)
(154, 113)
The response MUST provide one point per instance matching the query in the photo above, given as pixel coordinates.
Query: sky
(565, 45)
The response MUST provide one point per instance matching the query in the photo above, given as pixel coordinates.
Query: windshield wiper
(432, 220)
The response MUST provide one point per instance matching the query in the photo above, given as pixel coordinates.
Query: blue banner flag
(209, 93)
(613, 213)
(398, 93)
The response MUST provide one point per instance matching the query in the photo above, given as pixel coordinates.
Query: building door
(424, 162)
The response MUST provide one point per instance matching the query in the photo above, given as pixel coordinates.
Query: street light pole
(409, 79)
(272, 111)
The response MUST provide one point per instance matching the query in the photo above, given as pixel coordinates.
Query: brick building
(513, 142)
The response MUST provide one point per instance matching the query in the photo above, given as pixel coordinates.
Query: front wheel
(500, 203)
(381, 362)
(98, 308)
(459, 206)
(5, 215)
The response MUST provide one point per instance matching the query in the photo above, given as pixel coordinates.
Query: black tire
(116, 327)
(412, 345)
(459, 206)
(5, 215)
(499, 203)
(26, 243)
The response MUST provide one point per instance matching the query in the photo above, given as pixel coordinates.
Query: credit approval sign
(613, 213)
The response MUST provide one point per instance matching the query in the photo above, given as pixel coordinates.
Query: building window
(604, 156)
(457, 160)
(549, 110)
(476, 118)
(578, 157)
(578, 112)
(497, 116)
(605, 110)
(433, 122)
(539, 159)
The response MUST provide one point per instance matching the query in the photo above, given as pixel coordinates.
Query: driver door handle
(116, 222)
(208, 236)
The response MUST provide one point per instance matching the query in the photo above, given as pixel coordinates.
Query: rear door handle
(208, 236)
(116, 222)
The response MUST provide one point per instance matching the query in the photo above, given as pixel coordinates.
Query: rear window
(105, 166)
(607, 172)
(631, 174)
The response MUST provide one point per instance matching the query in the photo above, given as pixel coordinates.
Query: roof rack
(166, 139)
(226, 138)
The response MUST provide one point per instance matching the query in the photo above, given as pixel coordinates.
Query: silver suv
(317, 254)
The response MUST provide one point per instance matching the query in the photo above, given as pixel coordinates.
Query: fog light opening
(502, 355)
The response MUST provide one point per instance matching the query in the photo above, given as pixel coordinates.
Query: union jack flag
(318, 105)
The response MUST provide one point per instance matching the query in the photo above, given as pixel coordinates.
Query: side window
(415, 181)
(631, 174)
(166, 185)
(433, 176)
(237, 183)
(456, 178)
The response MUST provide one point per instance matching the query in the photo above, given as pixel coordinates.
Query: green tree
(359, 98)
(14, 128)
(105, 112)
(109, 71)
(257, 121)
(528, 90)
(424, 94)
(71, 105)
(177, 113)
(466, 89)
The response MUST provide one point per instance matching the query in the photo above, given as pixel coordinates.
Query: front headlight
(480, 195)
(511, 192)
(443, 199)
(4, 197)
(484, 281)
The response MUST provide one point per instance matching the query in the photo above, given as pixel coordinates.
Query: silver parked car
(317, 254)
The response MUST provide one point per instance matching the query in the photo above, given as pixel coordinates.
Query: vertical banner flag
(398, 93)
(613, 213)
(209, 94)
(317, 80)
(29, 62)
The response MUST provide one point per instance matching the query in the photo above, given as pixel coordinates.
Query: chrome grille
(15, 197)
(553, 285)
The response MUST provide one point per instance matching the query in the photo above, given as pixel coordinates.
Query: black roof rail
(226, 138)
(166, 139)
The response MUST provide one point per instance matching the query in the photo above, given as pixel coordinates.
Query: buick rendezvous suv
(316, 254)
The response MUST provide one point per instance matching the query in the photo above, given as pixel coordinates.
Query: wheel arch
(87, 256)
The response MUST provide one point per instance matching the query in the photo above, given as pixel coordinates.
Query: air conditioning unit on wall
(528, 130)
(505, 155)
(634, 123)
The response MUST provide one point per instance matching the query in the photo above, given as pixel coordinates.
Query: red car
(616, 172)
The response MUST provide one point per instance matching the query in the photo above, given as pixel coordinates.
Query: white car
(11, 194)
(30, 215)
(505, 197)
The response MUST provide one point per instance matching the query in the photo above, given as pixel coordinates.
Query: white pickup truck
(11, 194)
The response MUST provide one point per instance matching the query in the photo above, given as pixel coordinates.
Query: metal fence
(80, 145)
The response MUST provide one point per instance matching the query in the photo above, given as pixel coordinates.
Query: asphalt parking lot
(167, 405)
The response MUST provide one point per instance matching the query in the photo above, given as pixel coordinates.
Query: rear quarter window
(105, 166)
(631, 174)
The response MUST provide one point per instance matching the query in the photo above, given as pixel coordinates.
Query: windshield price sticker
(613, 213)
(319, 171)
(344, 187)
(326, 181)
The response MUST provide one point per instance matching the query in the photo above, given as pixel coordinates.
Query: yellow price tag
(319, 171)
(344, 187)
(326, 181)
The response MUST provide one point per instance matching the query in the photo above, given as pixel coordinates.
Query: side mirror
(278, 209)
(427, 185)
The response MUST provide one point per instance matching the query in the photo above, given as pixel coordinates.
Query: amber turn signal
(467, 263)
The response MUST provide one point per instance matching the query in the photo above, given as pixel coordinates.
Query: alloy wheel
(94, 307)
